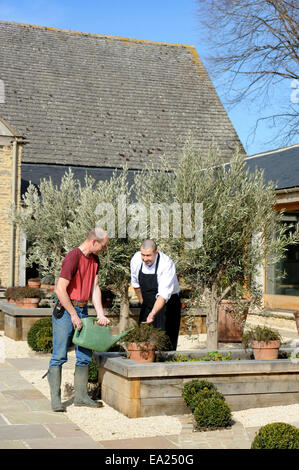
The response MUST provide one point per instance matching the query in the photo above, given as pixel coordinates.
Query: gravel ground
(107, 424)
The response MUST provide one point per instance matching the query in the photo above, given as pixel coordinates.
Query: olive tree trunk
(212, 301)
(125, 322)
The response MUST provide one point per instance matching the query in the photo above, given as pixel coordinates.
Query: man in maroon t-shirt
(78, 281)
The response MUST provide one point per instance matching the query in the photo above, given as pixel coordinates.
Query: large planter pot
(11, 301)
(30, 302)
(48, 287)
(35, 284)
(296, 315)
(142, 352)
(263, 350)
(230, 331)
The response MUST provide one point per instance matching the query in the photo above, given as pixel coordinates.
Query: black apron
(169, 317)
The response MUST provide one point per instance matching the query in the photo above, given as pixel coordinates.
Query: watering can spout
(116, 338)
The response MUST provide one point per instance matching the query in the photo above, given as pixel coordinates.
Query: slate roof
(280, 166)
(99, 101)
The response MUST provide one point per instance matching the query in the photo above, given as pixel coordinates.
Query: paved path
(27, 421)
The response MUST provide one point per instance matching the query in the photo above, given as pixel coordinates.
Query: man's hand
(76, 321)
(150, 318)
(102, 320)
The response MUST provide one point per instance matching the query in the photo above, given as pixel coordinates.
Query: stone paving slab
(23, 394)
(23, 432)
(67, 430)
(34, 417)
(13, 445)
(158, 442)
(38, 405)
(10, 404)
(36, 363)
(2, 420)
(60, 443)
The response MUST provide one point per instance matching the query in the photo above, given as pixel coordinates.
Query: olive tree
(44, 216)
(56, 219)
(103, 204)
(237, 207)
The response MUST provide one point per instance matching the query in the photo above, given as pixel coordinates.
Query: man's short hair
(97, 234)
(147, 244)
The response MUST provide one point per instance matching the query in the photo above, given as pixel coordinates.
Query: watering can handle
(95, 322)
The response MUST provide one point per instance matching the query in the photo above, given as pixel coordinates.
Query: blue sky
(173, 21)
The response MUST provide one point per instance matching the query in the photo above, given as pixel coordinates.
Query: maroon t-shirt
(81, 271)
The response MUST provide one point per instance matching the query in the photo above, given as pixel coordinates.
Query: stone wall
(6, 175)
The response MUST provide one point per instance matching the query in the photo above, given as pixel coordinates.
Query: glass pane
(283, 278)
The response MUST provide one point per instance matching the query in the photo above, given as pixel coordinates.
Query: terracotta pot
(30, 302)
(143, 352)
(34, 284)
(263, 350)
(228, 330)
(19, 302)
(48, 287)
(11, 301)
(296, 315)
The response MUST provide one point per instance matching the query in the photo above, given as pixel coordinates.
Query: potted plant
(28, 297)
(9, 295)
(142, 342)
(48, 283)
(264, 341)
(232, 315)
(34, 282)
(12, 294)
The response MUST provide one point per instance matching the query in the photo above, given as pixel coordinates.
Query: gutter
(287, 190)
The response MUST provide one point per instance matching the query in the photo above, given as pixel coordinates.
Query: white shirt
(166, 274)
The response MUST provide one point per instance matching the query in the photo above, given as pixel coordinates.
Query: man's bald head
(97, 234)
(149, 244)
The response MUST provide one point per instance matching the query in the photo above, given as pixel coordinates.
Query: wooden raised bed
(17, 321)
(154, 389)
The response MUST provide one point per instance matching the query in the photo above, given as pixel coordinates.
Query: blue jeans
(63, 331)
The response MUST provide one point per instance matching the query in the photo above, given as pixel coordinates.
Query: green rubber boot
(54, 379)
(80, 386)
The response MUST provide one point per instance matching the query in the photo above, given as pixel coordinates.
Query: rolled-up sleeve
(166, 281)
(135, 267)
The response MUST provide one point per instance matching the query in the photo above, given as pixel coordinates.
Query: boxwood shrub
(276, 436)
(39, 337)
(191, 388)
(212, 413)
(202, 395)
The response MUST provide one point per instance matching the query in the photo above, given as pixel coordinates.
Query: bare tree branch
(255, 43)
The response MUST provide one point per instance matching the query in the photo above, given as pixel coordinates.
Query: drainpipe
(13, 200)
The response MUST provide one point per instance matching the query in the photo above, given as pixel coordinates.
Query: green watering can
(96, 337)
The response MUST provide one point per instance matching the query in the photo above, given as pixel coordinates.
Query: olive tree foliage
(44, 217)
(254, 46)
(100, 206)
(239, 223)
(56, 219)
